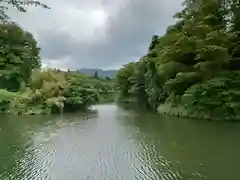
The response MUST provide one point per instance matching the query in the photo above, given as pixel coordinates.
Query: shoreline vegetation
(193, 70)
(53, 91)
(26, 89)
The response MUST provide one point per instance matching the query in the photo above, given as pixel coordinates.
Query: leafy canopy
(203, 43)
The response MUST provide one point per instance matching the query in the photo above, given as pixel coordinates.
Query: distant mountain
(100, 72)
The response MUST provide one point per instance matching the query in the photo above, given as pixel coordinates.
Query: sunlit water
(113, 143)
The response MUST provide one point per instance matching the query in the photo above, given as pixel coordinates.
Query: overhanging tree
(19, 5)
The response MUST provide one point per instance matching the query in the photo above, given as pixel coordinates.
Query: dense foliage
(194, 68)
(19, 54)
(26, 89)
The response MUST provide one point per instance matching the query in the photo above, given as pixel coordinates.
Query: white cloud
(80, 23)
(60, 63)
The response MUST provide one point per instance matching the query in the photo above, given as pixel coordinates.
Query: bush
(218, 97)
(5, 99)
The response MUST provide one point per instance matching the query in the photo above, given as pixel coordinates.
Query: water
(113, 143)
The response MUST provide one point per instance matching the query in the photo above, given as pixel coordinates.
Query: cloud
(98, 33)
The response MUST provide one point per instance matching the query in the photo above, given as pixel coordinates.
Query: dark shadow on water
(196, 149)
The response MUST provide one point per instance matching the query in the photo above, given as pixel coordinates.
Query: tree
(19, 5)
(188, 59)
(51, 91)
(96, 75)
(19, 56)
(124, 79)
(154, 42)
(108, 78)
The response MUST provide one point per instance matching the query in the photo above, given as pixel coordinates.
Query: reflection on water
(109, 142)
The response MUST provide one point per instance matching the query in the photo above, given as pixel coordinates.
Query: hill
(101, 73)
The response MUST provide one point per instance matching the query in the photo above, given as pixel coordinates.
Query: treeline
(192, 70)
(27, 89)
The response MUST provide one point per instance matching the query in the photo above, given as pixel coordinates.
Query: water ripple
(113, 144)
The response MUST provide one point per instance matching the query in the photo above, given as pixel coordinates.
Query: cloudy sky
(105, 34)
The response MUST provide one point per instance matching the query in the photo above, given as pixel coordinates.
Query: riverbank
(170, 109)
(178, 110)
(25, 103)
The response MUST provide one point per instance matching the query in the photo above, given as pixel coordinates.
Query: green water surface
(114, 143)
